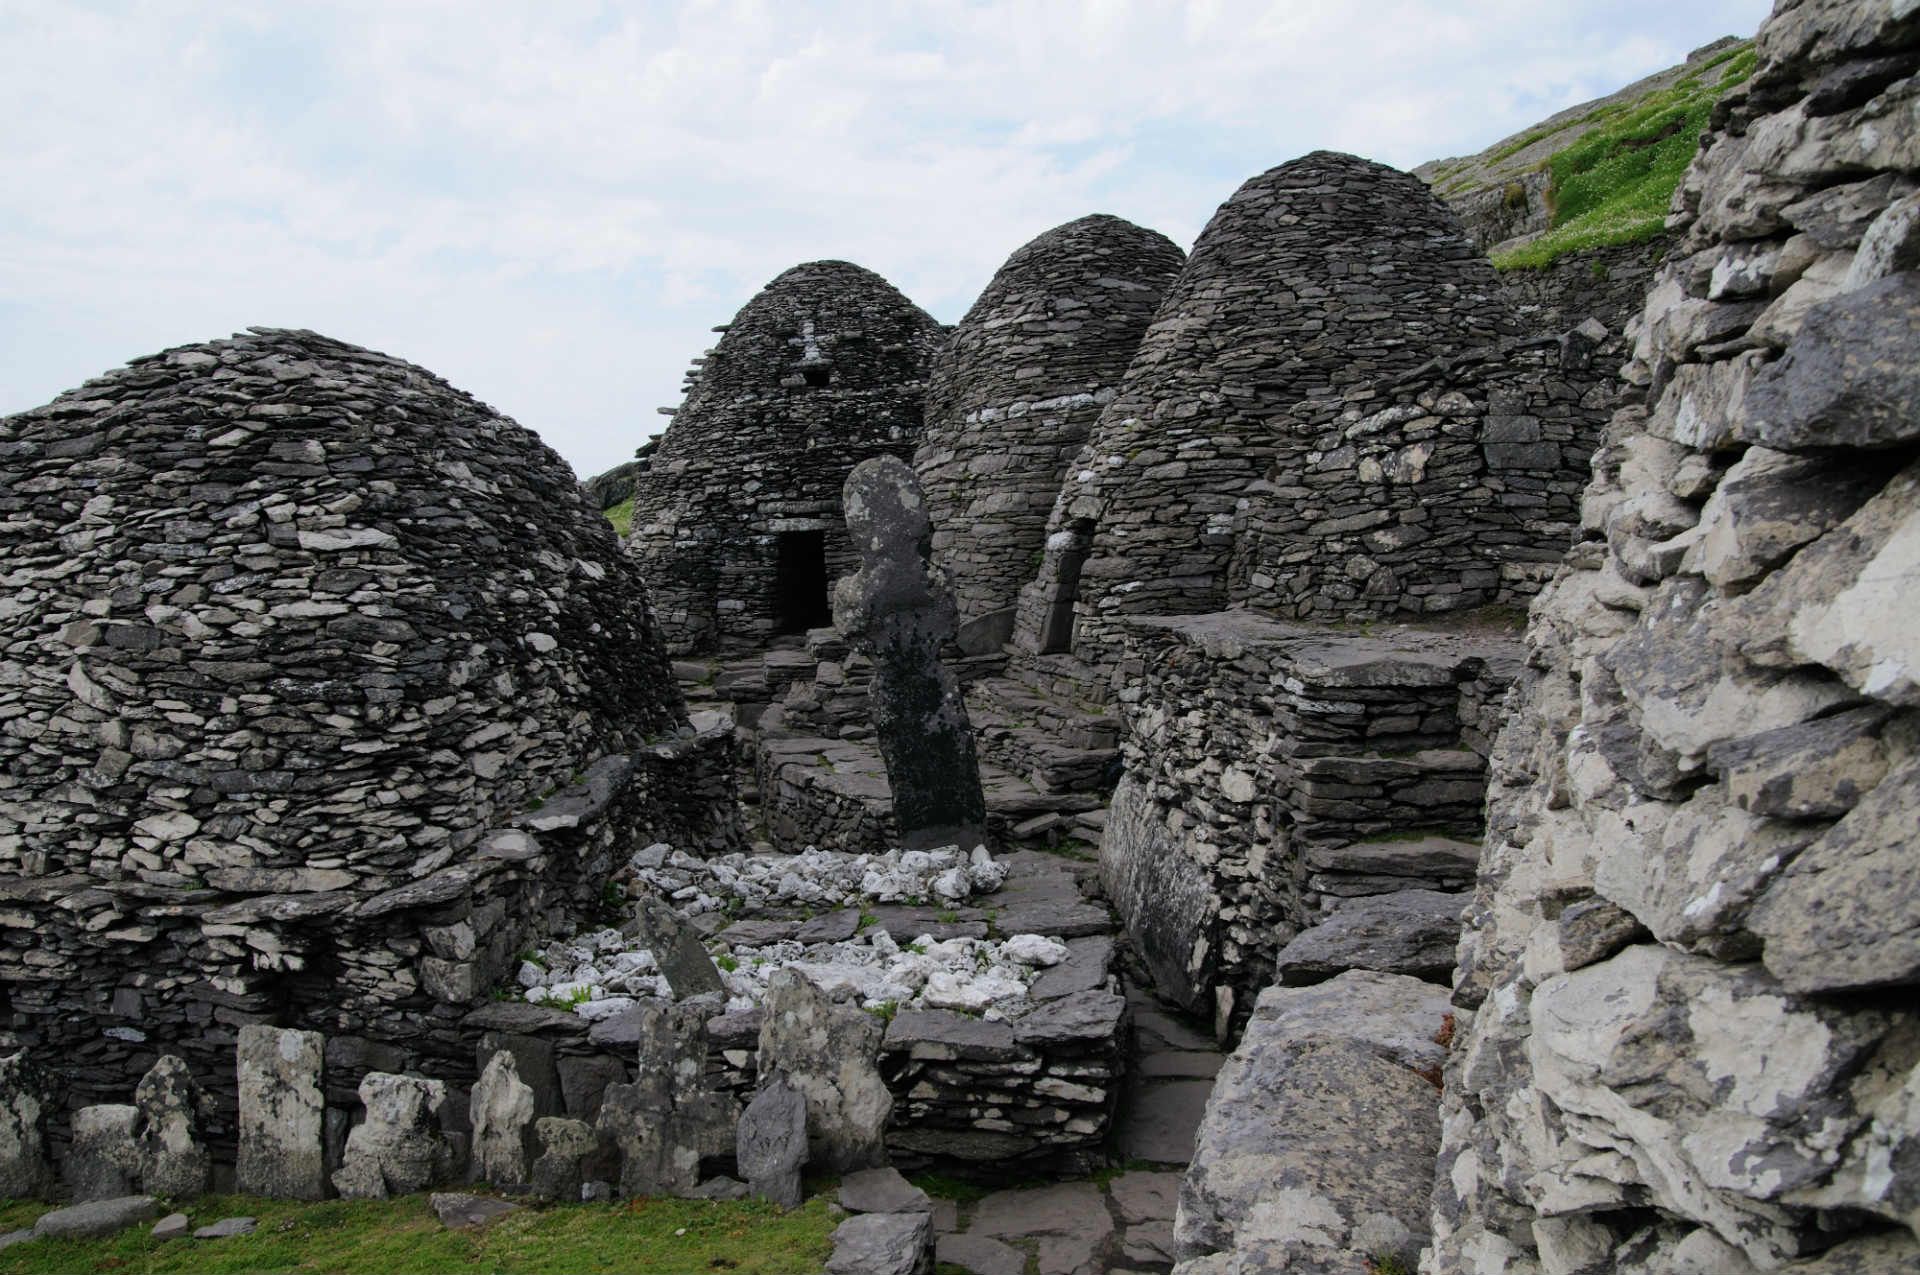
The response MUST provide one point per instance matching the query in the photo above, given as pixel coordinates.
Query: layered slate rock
(292, 632)
(1324, 276)
(1014, 395)
(736, 520)
(1693, 943)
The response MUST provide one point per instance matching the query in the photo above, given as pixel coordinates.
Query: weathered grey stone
(1407, 932)
(682, 956)
(1769, 504)
(830, 1052)
(1848, 378)
(1161, 894)
(772, 1142)
(95, 1219)
(10, 1238)
(1068, 1224)
(979, 1255)
(1816, 770)
(1890, 246)
(171, 1227)
(102, 1161)
(501, 1111)
(399, 1148)
(173, 1160)
(1075, 1019)
(882, 1244)
(1844, 914)
(282, 1152)
(565, 1146)
(882, 1191)
(669, 1118)
(226, 1228)
(1321, 1134)
(24, 1171)
(458, 1211)
(900, 617)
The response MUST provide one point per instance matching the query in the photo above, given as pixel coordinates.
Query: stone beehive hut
(292, 630)
(1015, 394)
(737, 522)
(1320, 277)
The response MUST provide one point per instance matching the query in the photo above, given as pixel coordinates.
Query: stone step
(1423, 857)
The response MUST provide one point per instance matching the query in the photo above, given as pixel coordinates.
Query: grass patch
(403, 1237)
(1613, 184)
(621, 516)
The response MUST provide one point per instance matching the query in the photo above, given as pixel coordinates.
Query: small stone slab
(1161, 1120)
(836, 926)
(226, 1228)
(1056, 920)
(881, 1244)
(1075, 1019)
(980, 1255)
(882, 1191)
(721, 1188)
(621, 1032)
(905, 924)
(1089, 961)
(96, 1218)
(943, 1035)
(759, 933)
(171, 1227)
(771, 1142)
(1413, 932)
(1145, 1197)
(459, 1211)
(522, 1019)
(11, 1238)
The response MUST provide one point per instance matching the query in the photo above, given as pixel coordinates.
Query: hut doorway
(800, 582)
(1056, 629)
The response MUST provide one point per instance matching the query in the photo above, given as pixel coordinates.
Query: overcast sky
(551, 203)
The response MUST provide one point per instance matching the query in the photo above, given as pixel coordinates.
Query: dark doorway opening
(1056, 630)
(800, 584)
(817, 377)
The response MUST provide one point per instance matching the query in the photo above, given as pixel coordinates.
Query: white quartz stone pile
(813, 878)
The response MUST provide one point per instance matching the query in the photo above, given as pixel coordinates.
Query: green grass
(403, 1237)
(621, 516)
(1613, 184)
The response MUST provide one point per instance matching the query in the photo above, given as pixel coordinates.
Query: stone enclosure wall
(322, 687)
(736, 519)
(1691, 955)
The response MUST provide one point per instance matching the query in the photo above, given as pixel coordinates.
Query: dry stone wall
(322, 687)
(1014, 395)
(1692, 952)
(736, 520)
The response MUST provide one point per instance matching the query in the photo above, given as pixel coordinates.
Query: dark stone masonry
(736, 520)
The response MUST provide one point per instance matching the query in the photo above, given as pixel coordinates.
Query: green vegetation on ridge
(621, 516)
(373, 1237)
(1613, 184)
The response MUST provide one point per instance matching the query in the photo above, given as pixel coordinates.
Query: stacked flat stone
(1323, 276)
(1687, 985)
(1015, 394)
(293, 631)
(824, 368)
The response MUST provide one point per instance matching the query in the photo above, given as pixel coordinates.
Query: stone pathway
(1114, 1224)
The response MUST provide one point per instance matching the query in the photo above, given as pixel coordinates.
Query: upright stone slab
(772, 1145)
(830, 1053)
(101, 1163)
(899, 615)
(24, 1172)
(282, 1113)
(564, 1147)
(502, 1112)
(173, 1159)
(399, 1148)
(682, 957)
(669, 1118)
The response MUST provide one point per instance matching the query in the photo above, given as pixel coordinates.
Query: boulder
(226, 1228)
(882, 1191)
(1320, 1138)
(172, 1227)
(282, 1150)
(830, 1053)
(459, 1211)
(24, 1172)
(173, 1160)
(565, 1146)
(502, 1112)
(772, 1142)
(102, 1162)
(883, 1244)
(399, 1148)
(1410, 932)
(95, 1219)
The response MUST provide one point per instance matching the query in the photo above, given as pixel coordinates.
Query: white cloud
(550, 204)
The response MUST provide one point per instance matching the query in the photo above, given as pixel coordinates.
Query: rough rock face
(1015, 393)
(829, 1052)
(736, 520)
(399, 1148)
(282, 1154)
(174, 1162)
(24, 1172)
(1321, 1130)
(897, 612)
(101, 1161)
(502, 1115)
(290, 631)
(1326, 275)
(1691, 953)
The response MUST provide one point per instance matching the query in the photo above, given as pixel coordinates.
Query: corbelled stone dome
(1015, 393)
(737, 519)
